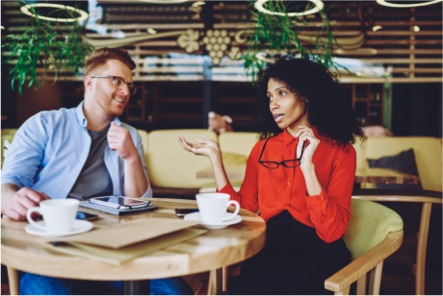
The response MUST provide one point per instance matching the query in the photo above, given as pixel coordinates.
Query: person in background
(219, 123)
(299, 177)
(80, 153)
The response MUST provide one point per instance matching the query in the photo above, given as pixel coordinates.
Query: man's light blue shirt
(50, 149)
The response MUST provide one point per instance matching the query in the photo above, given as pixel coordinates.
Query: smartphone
(86, 216)
(183, 212)
(120, 202)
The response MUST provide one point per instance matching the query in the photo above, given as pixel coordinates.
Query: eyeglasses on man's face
(119, 83)
(290, 163)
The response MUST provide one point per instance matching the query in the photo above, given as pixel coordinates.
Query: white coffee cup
(58, 215)
(213, 206)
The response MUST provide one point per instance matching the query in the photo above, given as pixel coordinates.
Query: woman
(299, 176)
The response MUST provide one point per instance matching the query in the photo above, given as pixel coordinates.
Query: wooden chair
(427, 199)
(374, 233)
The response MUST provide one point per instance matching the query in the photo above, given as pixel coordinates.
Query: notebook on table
(122, 242)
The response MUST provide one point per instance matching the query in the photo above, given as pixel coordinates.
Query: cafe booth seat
(7, 137)
(181, 180)
(173, 171)
(172, 168)
(427, 156)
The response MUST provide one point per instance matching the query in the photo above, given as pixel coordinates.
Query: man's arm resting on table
(16, 201)
(136, 182)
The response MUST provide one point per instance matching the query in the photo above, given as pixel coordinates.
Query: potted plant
(53, 44)
(283, 27)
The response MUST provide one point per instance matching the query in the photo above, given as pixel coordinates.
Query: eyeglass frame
(131, 87)
(283, 162)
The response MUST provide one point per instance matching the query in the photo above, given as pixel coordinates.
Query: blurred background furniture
(163, 153)
(395, 153)
(7, 137)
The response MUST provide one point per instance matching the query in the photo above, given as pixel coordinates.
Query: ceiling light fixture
(83, 15)
(318, 5)
(151, 31)
(164, 1)
(198, 3)
(406, 5)
(376, 28)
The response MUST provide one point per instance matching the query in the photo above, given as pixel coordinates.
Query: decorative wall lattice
(183, 42)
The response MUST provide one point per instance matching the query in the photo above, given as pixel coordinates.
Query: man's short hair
(102, 55)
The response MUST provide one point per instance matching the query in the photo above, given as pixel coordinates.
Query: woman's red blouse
(274, 190)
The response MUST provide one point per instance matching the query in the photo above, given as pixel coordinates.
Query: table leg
(137, 287)
(215, 286)
(14, 285)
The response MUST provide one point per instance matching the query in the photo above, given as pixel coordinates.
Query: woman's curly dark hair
(327, 108)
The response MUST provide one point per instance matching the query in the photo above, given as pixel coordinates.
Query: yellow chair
(423, 232)
(373, 234)
(7, 137)
(169, 164)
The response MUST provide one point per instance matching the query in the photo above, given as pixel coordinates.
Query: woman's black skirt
(294, 261)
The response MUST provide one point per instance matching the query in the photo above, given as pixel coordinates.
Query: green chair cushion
(369, 225)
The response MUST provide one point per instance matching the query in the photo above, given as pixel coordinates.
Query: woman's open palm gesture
(200, 147)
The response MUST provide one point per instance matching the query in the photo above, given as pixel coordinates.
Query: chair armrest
(360, 266)
(427, 198)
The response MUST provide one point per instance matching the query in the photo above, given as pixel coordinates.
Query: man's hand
(119, 139)
(19, 202)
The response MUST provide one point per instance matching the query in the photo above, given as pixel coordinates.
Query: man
(80, 153)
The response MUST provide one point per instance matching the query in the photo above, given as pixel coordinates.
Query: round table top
(212, 250)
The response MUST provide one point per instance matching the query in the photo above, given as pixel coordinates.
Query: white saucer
(79, 227)
(196, 217)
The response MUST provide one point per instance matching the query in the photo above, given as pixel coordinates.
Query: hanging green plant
(281, 31)
(49, 45)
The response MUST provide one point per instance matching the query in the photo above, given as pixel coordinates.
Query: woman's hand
(310, 141)
(205, 147)
(211, 149)
(307, 138)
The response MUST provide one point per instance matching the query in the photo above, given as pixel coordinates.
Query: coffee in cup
(213, 206)
(58, 215)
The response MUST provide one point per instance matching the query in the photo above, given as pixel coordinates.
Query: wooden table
(369, 175)
(384, 176)
(213, 251)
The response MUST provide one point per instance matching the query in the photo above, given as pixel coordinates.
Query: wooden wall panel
(410, 57)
